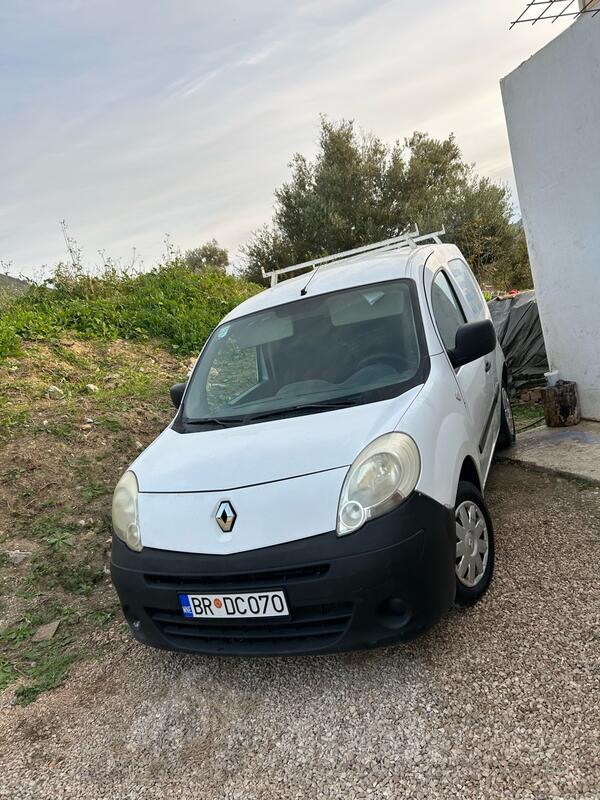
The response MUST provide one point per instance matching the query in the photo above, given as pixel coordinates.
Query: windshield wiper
(229, 422)
(326, 405)
(221, 422)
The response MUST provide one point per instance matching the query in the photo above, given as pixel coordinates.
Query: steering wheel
(394, 360)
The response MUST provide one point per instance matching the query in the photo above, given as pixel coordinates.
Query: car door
(473, 301)
(472, 379)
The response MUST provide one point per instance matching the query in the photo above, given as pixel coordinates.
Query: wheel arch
(468, 472)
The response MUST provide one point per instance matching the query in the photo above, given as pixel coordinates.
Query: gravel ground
(500, 701)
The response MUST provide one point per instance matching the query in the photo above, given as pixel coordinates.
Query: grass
(527, 415)
(171, 303)
(49, 670)
(38, 666)
(93, 490)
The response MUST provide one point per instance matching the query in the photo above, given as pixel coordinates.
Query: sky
(139, 119)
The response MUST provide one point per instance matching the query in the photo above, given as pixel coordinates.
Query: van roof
(356, 271)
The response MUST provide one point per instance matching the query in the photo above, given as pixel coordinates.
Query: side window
(234, 371)
(446, 310)
(469, 288)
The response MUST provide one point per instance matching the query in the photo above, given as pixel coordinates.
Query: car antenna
(307, 284)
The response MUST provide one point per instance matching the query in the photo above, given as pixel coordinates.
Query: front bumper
(388, 582)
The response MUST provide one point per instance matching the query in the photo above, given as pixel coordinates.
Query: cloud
(133, 120)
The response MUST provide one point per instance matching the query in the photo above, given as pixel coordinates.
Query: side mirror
(176, 391)
(473, 340)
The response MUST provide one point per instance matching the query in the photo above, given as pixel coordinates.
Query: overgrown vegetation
(173, 303)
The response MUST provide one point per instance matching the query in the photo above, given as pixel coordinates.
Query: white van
(321, 486)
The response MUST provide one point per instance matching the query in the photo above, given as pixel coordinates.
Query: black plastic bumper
(388, 582)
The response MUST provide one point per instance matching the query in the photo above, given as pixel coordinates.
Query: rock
(16, 557)
(45, 632)
(113, 380)
(91, 388)
(139, 445)
(54, 393)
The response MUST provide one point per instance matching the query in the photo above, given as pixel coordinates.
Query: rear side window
(446, 310)
(469, 288)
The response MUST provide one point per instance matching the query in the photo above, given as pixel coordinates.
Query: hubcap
(508, 415)
(472, 544)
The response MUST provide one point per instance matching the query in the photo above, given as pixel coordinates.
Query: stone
(54, 393)
(46, 632)
(91, 388)
(16, 557)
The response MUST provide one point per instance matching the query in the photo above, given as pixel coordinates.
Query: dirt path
(497, 702)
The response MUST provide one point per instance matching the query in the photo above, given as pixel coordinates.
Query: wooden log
(561, 405)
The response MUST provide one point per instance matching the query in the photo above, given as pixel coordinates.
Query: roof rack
(408, 240)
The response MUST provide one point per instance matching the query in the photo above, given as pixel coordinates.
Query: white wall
(552, 107)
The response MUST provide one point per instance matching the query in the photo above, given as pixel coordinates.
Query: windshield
(349, 347)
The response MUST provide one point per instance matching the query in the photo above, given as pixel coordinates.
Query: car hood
(248, 455)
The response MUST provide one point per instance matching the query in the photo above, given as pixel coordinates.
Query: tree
(359, 190)
(209, 256)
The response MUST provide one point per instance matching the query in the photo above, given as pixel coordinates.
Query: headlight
(381, 478)
(125, 511)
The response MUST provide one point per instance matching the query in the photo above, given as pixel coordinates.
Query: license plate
(234, 606)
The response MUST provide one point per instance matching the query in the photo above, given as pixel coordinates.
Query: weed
(110, 423)
(100, 617)
(53, 569)
(50, 526)
(7, 673)
(59, 540)
(18, 633)
(527, 413)
(43, 665)
(48, 667)
(11, 417)
(63, 430)
(93, 490)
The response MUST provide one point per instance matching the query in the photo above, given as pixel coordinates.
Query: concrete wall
(552, 107)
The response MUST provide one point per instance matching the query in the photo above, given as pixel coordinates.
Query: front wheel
(507, 434)
(474, 545)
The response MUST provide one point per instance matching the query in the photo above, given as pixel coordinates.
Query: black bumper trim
(387, 582)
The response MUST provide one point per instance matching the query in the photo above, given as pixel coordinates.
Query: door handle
(488, 366)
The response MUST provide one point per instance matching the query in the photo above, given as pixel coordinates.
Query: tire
(474, 564)
(507, 435)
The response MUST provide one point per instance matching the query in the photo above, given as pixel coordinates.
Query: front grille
(250, 580)
(308, 628)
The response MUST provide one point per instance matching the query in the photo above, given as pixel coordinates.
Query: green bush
(171, 302)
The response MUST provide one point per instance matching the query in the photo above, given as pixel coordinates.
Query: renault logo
(225, 516)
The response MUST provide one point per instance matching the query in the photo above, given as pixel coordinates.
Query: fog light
(394, 613)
